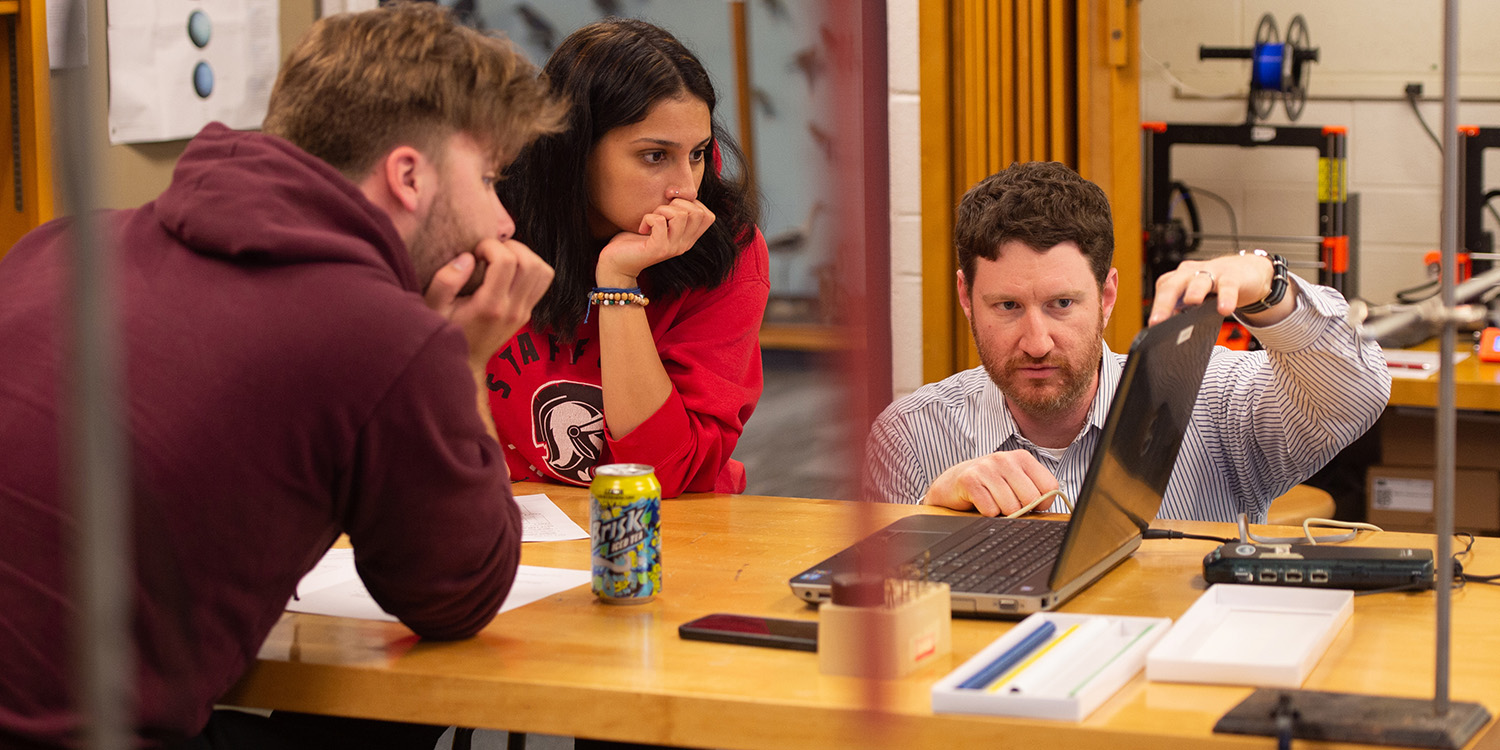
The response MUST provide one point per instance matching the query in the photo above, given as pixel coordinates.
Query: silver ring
(1209, 274)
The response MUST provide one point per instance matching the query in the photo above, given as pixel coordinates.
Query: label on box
(923, 645)
(1400, 493)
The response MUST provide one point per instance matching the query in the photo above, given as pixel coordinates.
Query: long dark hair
(612, 72)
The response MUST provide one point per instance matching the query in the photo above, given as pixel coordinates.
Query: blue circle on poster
(200, 29)
(203, 79)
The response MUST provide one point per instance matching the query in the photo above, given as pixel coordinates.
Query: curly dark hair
(1040, 203)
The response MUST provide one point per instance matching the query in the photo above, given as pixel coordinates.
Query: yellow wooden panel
(36, 111)
(994, 125)
(963, 71)
(1124, 187)
(806, 337)
(1025, 60)
(971, 144)
(935, 50)
(1010, 135)
(1019, 80)
(978, 137)
(963, 89)
(27, 202)
(739, 34)
(13, 223)
(1118, 44)
(1059, 59)
(1039, 68)
(975, 90)
(1082, 87)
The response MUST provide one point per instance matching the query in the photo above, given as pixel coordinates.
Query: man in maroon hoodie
(298, 363)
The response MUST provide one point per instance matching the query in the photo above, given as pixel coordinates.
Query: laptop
(1003, 567)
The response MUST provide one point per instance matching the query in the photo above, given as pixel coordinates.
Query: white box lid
(1269, 636)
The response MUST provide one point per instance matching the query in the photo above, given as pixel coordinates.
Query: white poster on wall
(176, 65)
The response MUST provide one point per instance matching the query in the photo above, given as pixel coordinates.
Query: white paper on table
(152, 61)
(1412, 364)
(543, 521)
(333, 587)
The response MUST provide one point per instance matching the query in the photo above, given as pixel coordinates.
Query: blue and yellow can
(625, 531)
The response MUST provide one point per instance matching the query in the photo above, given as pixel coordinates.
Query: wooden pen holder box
(889, 640)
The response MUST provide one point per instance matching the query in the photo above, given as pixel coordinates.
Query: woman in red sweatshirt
(646, 348)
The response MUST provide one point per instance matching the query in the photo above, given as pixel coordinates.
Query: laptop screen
(1133, 461)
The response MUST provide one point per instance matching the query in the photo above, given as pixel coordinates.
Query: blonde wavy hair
(360, 84)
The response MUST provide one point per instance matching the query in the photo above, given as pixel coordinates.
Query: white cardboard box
(1270, 636)
(1083, 680)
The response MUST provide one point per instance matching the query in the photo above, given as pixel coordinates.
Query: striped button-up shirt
(1263, 422)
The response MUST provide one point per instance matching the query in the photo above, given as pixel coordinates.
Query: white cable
(1307, 536)
(1355, 526)
(1182, 88)
(1040, 499)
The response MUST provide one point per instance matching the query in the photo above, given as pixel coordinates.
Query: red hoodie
(549, 406)
(283, 383)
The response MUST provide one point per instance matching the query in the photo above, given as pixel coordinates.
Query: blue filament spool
(1266, 66)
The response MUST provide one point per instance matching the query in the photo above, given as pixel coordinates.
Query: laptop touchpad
(900, 546)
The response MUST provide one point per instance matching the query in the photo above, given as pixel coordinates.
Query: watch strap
(1278, 285)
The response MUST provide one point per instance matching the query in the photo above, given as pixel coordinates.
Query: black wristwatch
(1278, 284)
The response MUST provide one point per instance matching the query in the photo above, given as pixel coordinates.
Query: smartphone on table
(750, 630)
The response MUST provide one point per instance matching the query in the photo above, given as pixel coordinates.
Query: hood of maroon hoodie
(225, 201)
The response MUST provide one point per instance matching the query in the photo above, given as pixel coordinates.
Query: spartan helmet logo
(568, 418)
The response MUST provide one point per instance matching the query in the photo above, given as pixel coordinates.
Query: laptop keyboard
(996, 557)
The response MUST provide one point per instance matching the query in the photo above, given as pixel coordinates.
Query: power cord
(1175, 534)
(1414, 294)
(1460, 578)
(1286, 717)
(1180, 192)
(1234, 225)
(1411, 98)
(1412, 92)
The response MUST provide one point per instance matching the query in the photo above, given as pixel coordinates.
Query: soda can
(625, 531)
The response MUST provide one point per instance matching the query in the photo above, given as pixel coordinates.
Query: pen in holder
(877, 627)
(1051, 665)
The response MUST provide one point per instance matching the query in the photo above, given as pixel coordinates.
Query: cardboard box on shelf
(1408, 438)
(1402, 498)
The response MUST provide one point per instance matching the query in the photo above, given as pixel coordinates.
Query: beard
(1054, 397)
(438, 241)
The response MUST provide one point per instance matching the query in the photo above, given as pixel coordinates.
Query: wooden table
(1476, 385)
(569, 665)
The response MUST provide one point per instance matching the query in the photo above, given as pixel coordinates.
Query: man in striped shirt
(1035, 243)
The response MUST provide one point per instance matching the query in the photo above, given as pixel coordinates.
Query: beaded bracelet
(603, 295)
